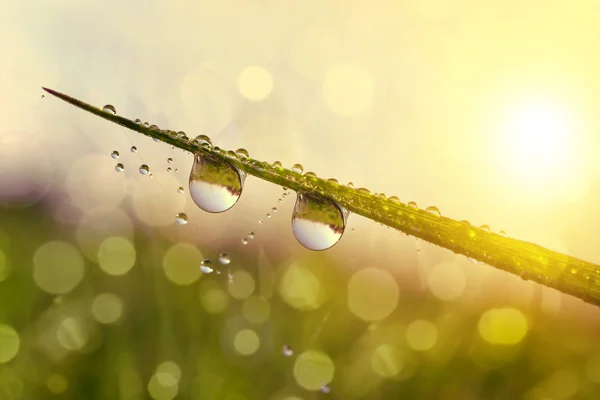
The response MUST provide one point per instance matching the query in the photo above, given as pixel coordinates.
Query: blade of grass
(528, 260)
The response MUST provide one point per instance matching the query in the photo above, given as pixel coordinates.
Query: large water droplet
(144, 169)
(181, 219)
(298, 168)
(215, 185)
(224, 258)
(318, 223)
(114, 154)
(109, 108)
(433, 210)
(119, 167)
(207, 267)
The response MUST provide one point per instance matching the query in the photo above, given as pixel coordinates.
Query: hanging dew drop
(144, 169)
(318, 223)
(119, 167)
(133, 149)
(224, 258)
(207, 267)
(114, 154)
(433, 210)
(297, 168)
(180, 189)
(109, 108)
(181, 219)
(287, 350)
(215, 185)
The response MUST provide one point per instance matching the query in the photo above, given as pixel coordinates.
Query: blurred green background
(483, 109)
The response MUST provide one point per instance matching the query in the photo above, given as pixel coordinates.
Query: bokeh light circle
(372, 294)
(57, 267)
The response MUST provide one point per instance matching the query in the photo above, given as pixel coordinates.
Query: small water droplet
(502, 233)
(133, 149)
(277, 164)
(433, 210)
(109, 108)
(279, 200)
(260, 221)
(297, 168)
(169, 160)
(138, 121)
(325, 388)
(485, 228)
(465, 222)
(474, 261)
(146, 124)
(207, 267)
(215, 185)
(154, 127)
(318, 223)
(287, 350)
(250, 235)
(114, 154)
(268, 215)
(224, 258)
(363, 190)
(176, 170)
(43, 96)
(310, 174)
(169, 169)
(244, 241)
(412, 204)
(274, 209)
(180, 189)
(119, 167)
(242, 153)
(181, 219)
(144, 169)
(156, 140)
(181, 135)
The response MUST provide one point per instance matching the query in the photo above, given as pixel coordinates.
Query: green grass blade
(530, 261)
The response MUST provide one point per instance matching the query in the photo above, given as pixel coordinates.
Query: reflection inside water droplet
(109, 108)
(215, 185)
(318, 223)
(181, 219)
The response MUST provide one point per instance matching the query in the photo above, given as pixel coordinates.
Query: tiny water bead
(43, 96)
(133, 149)
(144, 169)
(109, 108)
(138, 121)
(181, 219)
(485, 228)
(119, 167)
(169, 169)
(180, 189)
(169, 160)
(224, 258)
(297, 168)
(412, 204)
(244, 241)
(250, 235)
(114, 154)
(433, 210)
(215, 185)
(318, 223)
(502, 233)
(207, 267)
(287, 350)
(277, 164)
(274, 209)
(325, 388)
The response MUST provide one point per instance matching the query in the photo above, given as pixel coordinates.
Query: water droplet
(181, 219)
(279, 200)
(181, 135)
(284, 195)
(203, 141)
(260, 221)
(144, 169)
(109, 108)
(433, 210)
(133, 149)
(156, 140)
(274, 209)
(242, 153)
(244, 241)
(170, 160)
(325, 388)
(250, 235)
(277, 164)
(318, 223)
(350, 184)
(138, 121)
(310, 175)
(43, 96)
(180, 189)
(154, 127)
(412, 204)
(268, 215)
(119, 167)
(146, 124)
(485, 228)
(465, 222)
(474, 261)
(333, 180)
(169, 169)
(297, 168)
(114, 154)
(502, 233)
(215, 185)
(287, 350)
(224, 258)
(394, 199)
(363, 190)
(207, 267)
(176, 170)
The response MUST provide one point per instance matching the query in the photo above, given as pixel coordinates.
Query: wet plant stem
(528, 260)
